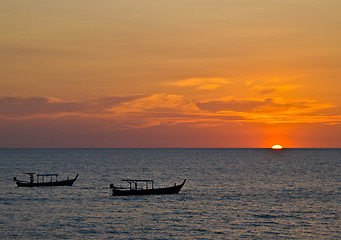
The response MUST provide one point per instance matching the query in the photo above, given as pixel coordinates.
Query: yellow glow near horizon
(277, 147)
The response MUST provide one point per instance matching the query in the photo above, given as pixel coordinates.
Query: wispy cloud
(16, 107)
(144, 111)
(272, 87)
(271, 110)
(201, 83)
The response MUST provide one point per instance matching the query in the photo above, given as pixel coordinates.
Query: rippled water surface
(229, 194)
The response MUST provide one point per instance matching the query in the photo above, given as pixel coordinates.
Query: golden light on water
(277, 147)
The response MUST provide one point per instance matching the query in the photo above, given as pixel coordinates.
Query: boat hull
(46, 184)
(155, 191)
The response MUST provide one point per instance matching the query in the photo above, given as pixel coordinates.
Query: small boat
(136, 188)
(44, 180)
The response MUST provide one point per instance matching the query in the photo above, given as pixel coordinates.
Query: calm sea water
(229, 194)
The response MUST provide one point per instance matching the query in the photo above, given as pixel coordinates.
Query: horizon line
(169, 148)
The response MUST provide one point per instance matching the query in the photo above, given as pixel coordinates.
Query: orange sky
(220, 73)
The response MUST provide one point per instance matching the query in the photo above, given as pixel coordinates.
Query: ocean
(229, 194)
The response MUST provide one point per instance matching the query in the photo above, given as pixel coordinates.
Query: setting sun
(277, 147)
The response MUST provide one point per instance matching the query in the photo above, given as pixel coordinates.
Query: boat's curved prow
(72, 181)
(182, 184)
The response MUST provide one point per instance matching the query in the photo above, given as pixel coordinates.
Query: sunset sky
(189, 73)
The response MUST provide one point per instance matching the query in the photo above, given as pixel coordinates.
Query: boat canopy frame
(134, 183)
(41, 177)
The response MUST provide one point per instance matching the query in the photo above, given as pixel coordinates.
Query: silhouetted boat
(42, 181)
(149, 189)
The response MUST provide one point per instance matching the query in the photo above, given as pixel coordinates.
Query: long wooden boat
(46, 180)
(135, 189)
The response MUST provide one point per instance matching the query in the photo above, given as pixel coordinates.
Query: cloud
(201, 83)
(114, 112)
(11, 106)
(39, 106)
(279, 88)
(155, 109)
(156, 103)
(237, 105)
(267, 105)
(146, 111)
(271, 110)
(271, 86)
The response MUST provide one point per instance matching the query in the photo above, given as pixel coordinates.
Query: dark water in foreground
(229, 194)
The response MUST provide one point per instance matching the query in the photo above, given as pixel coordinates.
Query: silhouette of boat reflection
(136, 188)
(46, 180)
